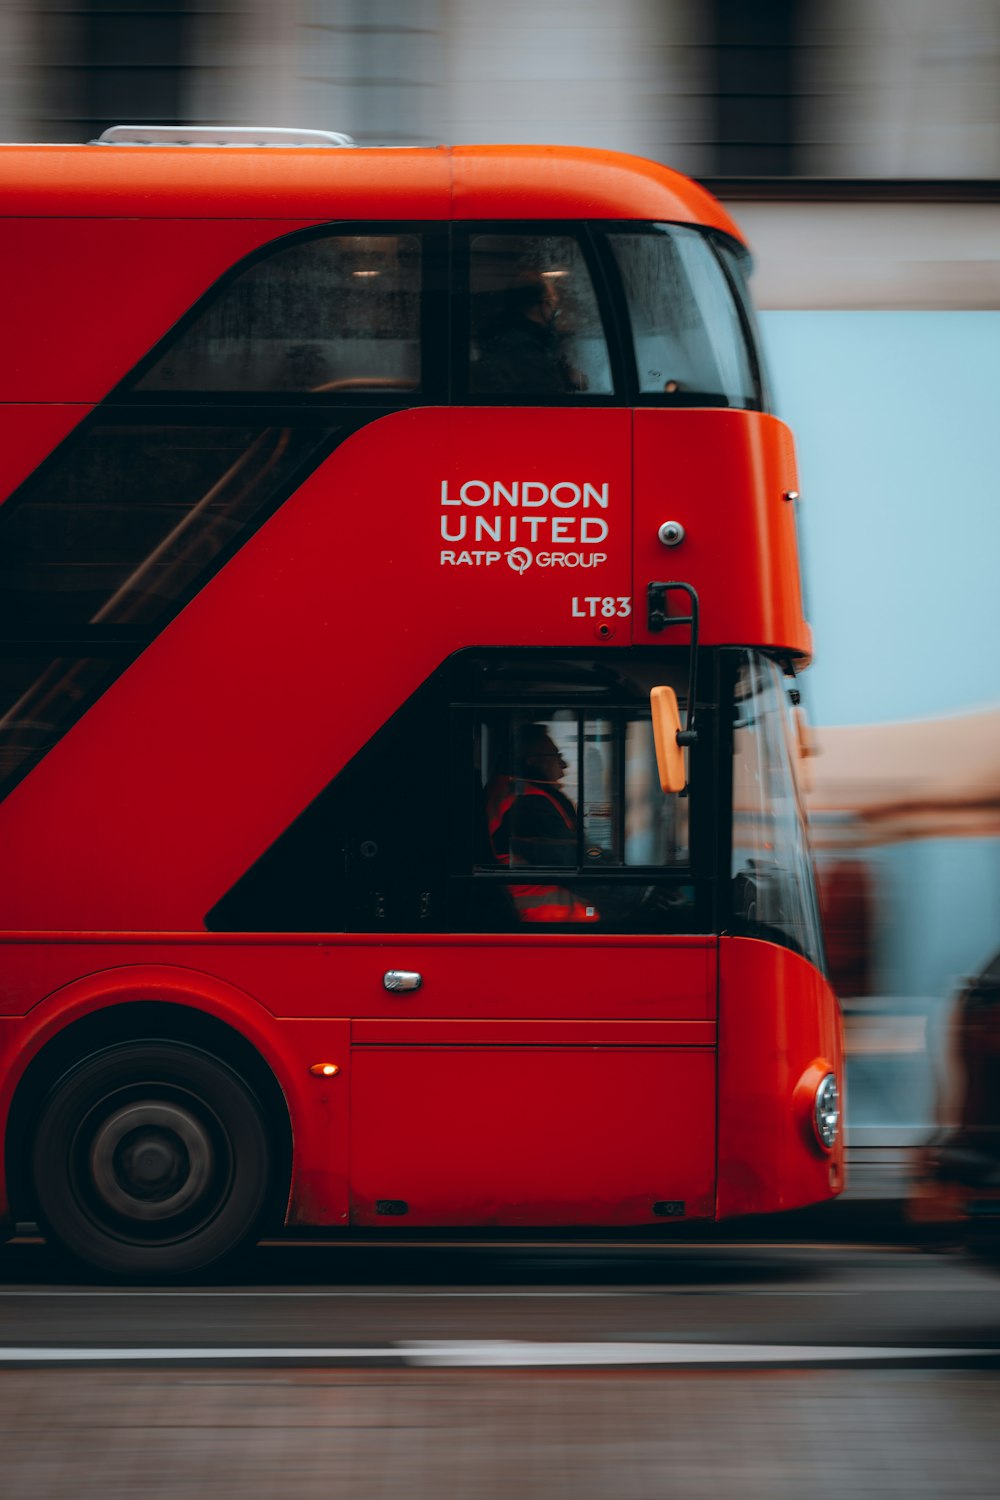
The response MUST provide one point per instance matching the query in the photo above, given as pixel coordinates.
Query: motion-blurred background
(857, 143)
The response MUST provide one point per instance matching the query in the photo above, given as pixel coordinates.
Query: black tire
(150, 1159)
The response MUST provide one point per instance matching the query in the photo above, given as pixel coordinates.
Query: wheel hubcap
(151, 1160)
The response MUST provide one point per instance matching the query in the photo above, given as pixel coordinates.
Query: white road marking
(508, 1353)
(504, 1352)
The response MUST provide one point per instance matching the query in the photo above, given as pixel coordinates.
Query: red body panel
(552, 1118)
(337, 974)
(513, 1135)
(177, 184)
(590, 1033)
(724, 476)
(461, 182)
(567, 182)
(777, 1017)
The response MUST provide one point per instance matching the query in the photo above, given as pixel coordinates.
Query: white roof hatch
(218, 135)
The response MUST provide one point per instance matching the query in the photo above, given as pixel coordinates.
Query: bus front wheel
(150, 1158)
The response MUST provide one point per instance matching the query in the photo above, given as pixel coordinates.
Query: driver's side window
(568, 825)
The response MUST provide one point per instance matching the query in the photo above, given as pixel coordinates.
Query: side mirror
(666, 728)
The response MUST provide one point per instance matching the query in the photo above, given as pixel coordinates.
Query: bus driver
(532, 822)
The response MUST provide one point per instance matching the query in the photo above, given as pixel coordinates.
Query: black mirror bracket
(658, 618)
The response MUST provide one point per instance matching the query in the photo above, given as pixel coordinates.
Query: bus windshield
(773, 884)
(687, 331)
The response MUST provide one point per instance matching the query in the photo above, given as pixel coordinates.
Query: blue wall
(896, 417)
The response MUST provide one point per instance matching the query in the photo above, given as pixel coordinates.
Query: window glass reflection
(127, 519)
(656, 827)
(686, 328)
(535, 324)
(774, 893)
(40, 696)
(568, 795)
(325, 315)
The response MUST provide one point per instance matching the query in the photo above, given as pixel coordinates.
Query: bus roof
(436, 183)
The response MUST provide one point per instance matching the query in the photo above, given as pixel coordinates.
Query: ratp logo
(520, 559)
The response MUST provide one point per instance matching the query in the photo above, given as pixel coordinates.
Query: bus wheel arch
(220, 1063)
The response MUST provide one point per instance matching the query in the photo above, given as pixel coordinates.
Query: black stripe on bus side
(118, 646)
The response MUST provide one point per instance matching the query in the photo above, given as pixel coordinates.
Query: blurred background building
(858, 144)
(722, 88)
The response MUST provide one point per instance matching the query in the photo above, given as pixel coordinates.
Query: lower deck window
(571, 824)
(590, 779)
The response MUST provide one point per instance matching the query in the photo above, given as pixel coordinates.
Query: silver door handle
(402, 979)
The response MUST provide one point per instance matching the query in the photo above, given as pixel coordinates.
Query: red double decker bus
(368, 515)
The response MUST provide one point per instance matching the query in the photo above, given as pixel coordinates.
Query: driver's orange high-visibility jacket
(535, 903)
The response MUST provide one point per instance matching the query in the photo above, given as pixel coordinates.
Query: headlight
(826, 1112)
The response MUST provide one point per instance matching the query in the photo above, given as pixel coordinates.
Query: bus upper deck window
(686, 328)
(736, 259)
(535, 324)
(327, 314)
